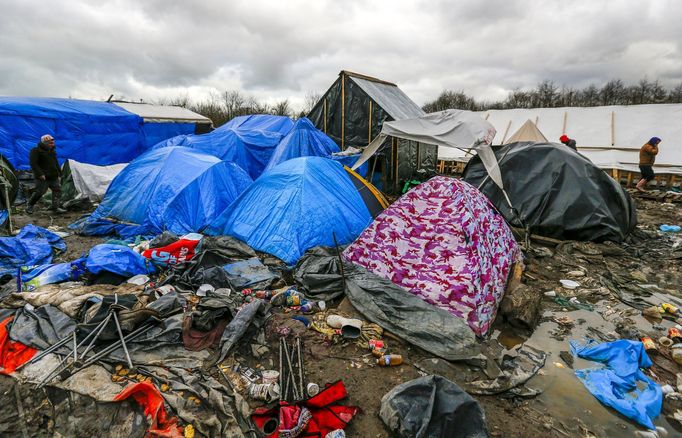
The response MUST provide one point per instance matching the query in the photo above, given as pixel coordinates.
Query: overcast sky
(150, 49)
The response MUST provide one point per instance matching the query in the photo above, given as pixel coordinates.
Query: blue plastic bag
(615, 385)
(32, 277)
(670, 228)
(117, 259)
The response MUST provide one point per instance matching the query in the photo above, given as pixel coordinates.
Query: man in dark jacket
(568, 142)
(46, 172)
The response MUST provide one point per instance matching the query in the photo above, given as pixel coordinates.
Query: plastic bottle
(391, 360)
(264, 294)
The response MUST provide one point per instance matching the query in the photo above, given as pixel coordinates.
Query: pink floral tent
(444, 242)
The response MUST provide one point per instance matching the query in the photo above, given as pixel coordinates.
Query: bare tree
(282, 108)
(310, 100)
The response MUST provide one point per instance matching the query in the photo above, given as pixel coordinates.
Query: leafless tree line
(222, 107)
(548, 94)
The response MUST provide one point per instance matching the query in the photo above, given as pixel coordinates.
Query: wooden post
(487, 115)
(343, 112)
(613, 129)
(369, 135)
(563, 129)
(325, 114)
(504, 137)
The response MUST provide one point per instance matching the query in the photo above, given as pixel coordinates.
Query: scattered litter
(569, 284)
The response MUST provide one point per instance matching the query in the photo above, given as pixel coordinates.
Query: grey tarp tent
(81, 181)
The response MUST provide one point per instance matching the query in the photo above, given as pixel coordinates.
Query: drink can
(306, 306)
(312, 389)
(293, 300)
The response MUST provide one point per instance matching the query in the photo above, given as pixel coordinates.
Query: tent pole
(369, 129)
(506, 131)
(325, 114)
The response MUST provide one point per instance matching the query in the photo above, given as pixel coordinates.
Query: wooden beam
(343, 112)
(506, 131)
(613, 129)
(325, 114)
(369, 135)
(563, 129)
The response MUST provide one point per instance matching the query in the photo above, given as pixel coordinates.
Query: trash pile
(301, 304)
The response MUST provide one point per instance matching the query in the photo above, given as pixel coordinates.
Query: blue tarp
(295, 206)
(32, 246)
(117, 259)
(616, 384)
(260, 122)
(304, 140)
(154, 132)
(169, 189)
(250, 150)
(87, 131)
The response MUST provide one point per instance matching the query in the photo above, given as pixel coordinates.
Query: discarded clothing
(617, 383)
(445, 243)
(517, 367)
(12, 354)
(32, 246)
(432, 407)
(147, 396)
(326, 414)
(118, 260)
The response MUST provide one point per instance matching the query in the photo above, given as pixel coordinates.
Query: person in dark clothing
(46, 172)
(568, 142)
(647, 157)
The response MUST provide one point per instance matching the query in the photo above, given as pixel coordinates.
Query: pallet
(657, 195)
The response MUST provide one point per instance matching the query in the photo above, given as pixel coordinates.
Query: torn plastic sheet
(621, 384)
(408, 316)
(147, 396)
(318, 273)
(117, 259)
(41, 327)
(432, 406)
(249, 273)
(253, 314)
(518, 366)
(32, 246)
(12, 354)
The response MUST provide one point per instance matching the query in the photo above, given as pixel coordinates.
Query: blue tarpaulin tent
(303, 140)
(250, 150)
(260, 122)
(295, 206)
(174, 188)
(86, 131)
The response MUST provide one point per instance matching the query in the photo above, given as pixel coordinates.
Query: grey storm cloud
(274, 50)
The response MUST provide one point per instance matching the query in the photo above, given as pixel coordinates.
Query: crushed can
(376, 344)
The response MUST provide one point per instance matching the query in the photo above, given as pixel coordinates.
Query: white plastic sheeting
(610, 136)
(163, 113)
(92, 181)
(450, 130)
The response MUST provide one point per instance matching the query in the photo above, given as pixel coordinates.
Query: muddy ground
(647, 269)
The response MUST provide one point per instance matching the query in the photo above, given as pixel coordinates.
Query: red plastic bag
(12, 354)
(176, 252)
(147, 396)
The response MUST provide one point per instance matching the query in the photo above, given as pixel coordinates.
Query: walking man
(647, 157)
(568, 142)
(46, 171)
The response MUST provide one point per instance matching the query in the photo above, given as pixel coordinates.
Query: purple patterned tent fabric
(444, 242)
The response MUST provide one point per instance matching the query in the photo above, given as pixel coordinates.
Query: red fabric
(147, 396)
(12, 354)
(176, 252)
(326, 417)
(563, 138)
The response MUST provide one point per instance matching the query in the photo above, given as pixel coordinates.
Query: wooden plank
(369, 134)
(613, 128)
(343, 112)
(563, 129)
(506, 131)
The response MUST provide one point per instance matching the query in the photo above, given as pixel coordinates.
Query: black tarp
(8, 178)
(557, 192)
(432, 407)
(387, 304)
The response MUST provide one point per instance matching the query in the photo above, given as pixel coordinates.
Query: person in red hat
(568, 142)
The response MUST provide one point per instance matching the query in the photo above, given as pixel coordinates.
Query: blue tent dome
(172, 188)
(303, 140)
(260, 122)
(297, 205)
(249, 149)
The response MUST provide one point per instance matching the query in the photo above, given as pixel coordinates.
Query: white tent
(163, 113)
(527, 132)
(88, 181)
(610, 136)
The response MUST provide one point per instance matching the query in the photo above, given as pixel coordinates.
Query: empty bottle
(390, 360)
